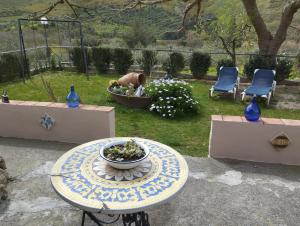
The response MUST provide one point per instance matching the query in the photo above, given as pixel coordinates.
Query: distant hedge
(283, 66)
(122, 59)
(101, 59)
(76, 56)
(200, 63)
(10, 67)
(174, 63)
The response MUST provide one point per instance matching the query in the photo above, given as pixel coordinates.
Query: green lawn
(189, 136)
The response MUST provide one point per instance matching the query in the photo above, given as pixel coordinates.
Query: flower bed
(171, 98)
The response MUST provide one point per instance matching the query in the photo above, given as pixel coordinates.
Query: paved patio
(217, 192)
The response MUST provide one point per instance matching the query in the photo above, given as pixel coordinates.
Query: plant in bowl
(124, 154)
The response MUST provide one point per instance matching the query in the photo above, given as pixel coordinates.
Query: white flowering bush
(171, 98)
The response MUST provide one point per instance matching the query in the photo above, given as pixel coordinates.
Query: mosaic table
(83, 179)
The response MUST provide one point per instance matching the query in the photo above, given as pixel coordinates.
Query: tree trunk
(268, 44)
(233, 52)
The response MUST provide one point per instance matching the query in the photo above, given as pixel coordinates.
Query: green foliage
(53, 65)
(138, 34)
(77, 58)
(228, 29)
(200, 63)
(102, 59)
(171, 99)
(283, 66)
(298, 61)
(120, 90)
(255, 62)
(92, 40)
(127, 152)
(10, 67)
(174, 63)
(148, 61)
(224, 63)
(122, 59)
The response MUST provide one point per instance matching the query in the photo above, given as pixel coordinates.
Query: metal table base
(133, 219)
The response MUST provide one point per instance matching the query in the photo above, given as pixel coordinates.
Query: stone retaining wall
(3, 179)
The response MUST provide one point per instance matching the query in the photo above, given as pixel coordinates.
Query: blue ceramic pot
(252, 111)
(73, 99)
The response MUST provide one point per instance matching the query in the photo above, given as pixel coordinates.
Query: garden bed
(189, 135)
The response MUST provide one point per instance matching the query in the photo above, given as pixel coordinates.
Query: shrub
(122, 59)
(138, 34)
(283, 66)
(200, 63)
(148, 61)
(171, 98)
(255, 62)
(102, 59)
(224, 63)
(174, 63)
(78, 60)
(53, 63)
(10, 67)
(298, 61)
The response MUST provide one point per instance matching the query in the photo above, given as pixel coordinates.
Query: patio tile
(260, 121)
(104, 108)
(58, 105)
(229, 118)
(43, 104)
(29, 103)
(16, 102)
(217, 118)
(272, 121)
(88, 107)
(290, 122)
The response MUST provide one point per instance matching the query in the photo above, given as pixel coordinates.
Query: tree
(190, 6)
(138, 34)
(229, 30)
(268, 43)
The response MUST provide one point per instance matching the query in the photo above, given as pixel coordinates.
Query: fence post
(83, 51)
(22, 52)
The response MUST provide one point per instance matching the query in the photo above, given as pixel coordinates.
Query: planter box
(132, 102)
(22, 119)
(234, 137)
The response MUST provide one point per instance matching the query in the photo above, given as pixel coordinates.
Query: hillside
(108, 22)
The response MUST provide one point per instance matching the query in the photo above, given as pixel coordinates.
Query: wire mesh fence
(60, 55)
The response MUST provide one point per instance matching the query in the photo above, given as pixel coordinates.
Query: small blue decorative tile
(47, 121)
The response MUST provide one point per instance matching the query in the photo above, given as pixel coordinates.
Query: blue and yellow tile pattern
(75, 179)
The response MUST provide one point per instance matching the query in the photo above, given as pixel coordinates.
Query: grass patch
(189, 136)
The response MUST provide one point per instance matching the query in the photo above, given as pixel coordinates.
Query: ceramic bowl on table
(124, 164)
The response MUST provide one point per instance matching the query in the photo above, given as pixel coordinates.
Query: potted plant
(129, 95)
(124, 154)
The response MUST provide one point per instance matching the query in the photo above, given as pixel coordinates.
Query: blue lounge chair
(228, 81)
(263, 84)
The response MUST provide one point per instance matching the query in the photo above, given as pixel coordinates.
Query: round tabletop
(82, 178)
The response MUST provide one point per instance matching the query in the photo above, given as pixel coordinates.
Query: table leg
(83, 218)
(97, 220)
(138, 219)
